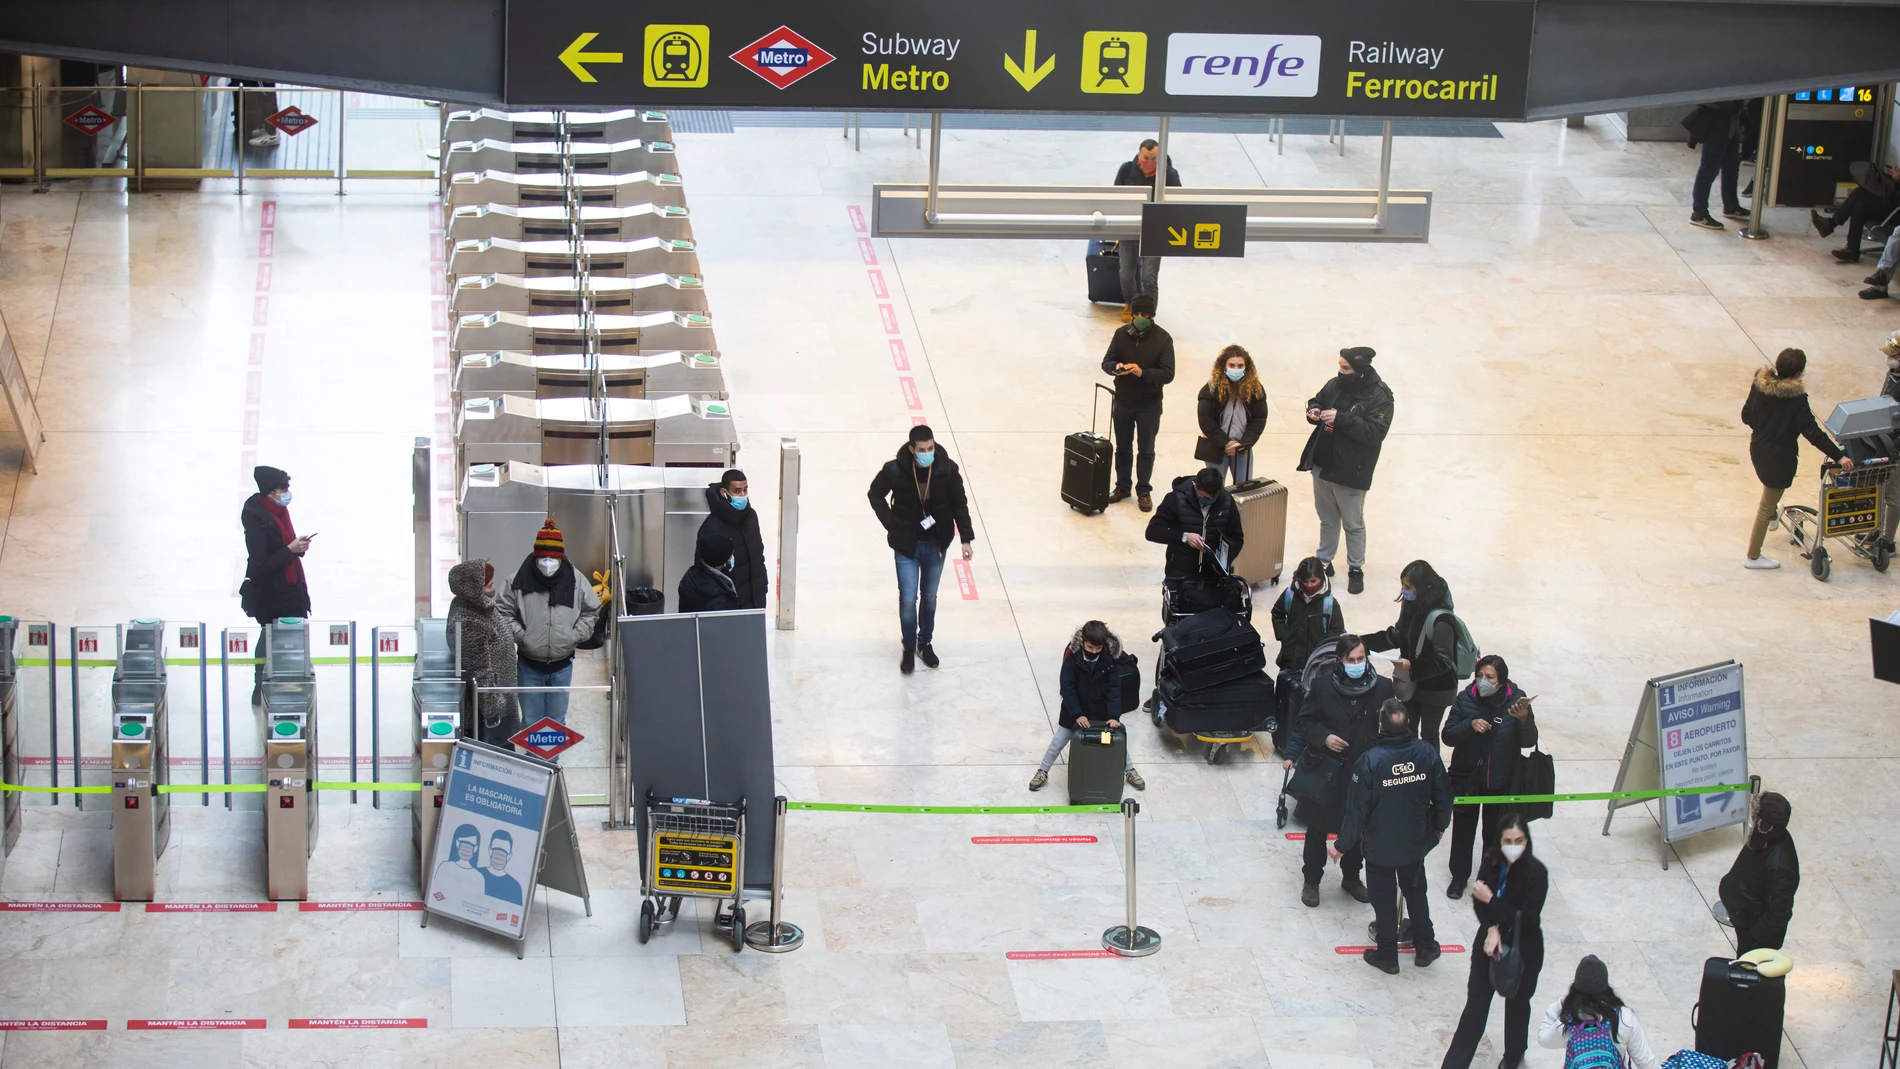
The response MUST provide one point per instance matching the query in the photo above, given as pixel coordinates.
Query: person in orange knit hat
(551, 610)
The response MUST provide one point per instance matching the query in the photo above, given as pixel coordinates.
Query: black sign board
(1193, 229)
(1466, 59)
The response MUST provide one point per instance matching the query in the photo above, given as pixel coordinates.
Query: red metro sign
(91, 119)
(291, 120)
(546, 737)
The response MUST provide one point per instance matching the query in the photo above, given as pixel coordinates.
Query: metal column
(1161, 163)
(1385, 173)
(936, 158)
(1764, 165)
(788, 487)
(419, 487)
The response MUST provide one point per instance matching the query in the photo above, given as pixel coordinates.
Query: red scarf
(281, 516)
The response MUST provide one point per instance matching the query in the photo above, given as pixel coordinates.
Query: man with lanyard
(918, 496)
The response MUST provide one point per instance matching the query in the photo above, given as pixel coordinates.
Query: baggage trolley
(1216, 742)
(1850, 510)
(695, 849)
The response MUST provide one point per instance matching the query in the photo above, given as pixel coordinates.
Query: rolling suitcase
(1210, 647)
(1088, 460)
(1262, 505)
(1097, 756)
(1236, 705)
(1739, 1011)
(1104, 264)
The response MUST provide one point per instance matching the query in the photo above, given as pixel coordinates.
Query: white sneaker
(264, 139)
(1761, 563)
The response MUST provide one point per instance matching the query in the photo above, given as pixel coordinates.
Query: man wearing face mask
(1304, 616)
(1200, 525)
(1141, 357)
(1141, 274)
(1758, 891)
(1397, 809)
(707, 585)
(918, 497)
(1351, 416)
(274, 584)
(550, 610)
(1338, 721)
(730, 513)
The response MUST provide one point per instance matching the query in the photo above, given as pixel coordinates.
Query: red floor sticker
(266, 245)
(966, 583)
(439, 314)
(257, 349)
(1053, 955)
(253, 387)
(194, 1024)
(210, 907)
(857, 217)
(270, 214)
(866, 251)
(359, 1022)
(438, 279)
(889, 315)
(260, 311)
(52, 1026)
(899, 358)
(911, 398)
(1404, 948)
(1014, 840)
(263, 278)
(250, 429)
(59, 907)
(441, 350)
(878, 288)
(1300, 837)
(355, 907)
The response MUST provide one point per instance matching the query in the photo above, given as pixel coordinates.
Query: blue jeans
(553, 703)
(1718, 158)
(917, 592)
(1240, 466)
(1135, 425)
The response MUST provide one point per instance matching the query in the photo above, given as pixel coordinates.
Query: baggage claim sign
(1442, 59)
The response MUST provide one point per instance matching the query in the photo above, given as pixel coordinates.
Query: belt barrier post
(1131, 940)
(776, 937)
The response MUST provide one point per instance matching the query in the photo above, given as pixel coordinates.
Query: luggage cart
(1850, 510)
(695, 849)
(1172, 611)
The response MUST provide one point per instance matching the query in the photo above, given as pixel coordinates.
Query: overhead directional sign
(1193, 229)
(1466, 59)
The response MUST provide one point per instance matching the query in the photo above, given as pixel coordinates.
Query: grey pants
(1340, 506)
(1140, 274)
(1061, 739)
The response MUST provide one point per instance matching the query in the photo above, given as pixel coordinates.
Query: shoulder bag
(1536, 774)
(1315, 775)
(1507, 968)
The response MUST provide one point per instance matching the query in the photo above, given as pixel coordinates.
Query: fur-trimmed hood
(1771, 386)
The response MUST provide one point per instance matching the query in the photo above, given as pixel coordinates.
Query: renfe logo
(1242, 64)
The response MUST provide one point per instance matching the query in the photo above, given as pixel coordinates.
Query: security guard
(1399, 794)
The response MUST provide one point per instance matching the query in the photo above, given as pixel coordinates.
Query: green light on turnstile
(285, 728)
(290, 619)
(131, 729)
(441, 728)
(696, 319)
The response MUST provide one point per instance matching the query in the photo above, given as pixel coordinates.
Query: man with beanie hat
(1758, 891)
(550, 609)
(1350, 416)
(1397, 808)
(918, 497)
(1141, 357)
(274, 584)
(707, 585)
(730, 512)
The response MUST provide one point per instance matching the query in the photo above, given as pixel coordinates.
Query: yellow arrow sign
(574, 57)
(1177, 237)
(1028, 74)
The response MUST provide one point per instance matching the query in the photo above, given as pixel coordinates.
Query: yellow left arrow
(574, 57)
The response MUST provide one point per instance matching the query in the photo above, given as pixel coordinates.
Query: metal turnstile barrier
(545, 157)
(290, 759)
(546, 294)
(507, 187)
(555, 256)
(141, 816)
(532, 222)
(642, 376)
(473, 125)
(438, 695)
(541, 334)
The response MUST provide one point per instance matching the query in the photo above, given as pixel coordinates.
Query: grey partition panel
(699, 719)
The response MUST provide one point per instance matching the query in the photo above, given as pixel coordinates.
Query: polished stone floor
(1569, 357)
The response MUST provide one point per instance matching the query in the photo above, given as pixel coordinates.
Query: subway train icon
(676, 56)
(1114, 61)
(1111, 62)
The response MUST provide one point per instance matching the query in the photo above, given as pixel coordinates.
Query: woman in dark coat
(1777, 412)
(1339, 719)
(1232, 411)
(1426, 657)
(274, 585)
(1491, 724)
(487, 644)
(1509, 900)
(1303, 618)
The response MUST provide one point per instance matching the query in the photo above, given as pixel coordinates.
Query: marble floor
(1569, 357)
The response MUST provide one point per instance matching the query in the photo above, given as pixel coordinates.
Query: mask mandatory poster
(485, 848)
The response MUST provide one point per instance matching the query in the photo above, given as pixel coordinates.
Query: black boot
(927, 655)
(1355, 581)
(909, 663)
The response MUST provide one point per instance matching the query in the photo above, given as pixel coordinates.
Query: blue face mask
(731, 563)
(1354, 670)
(1235, 374)
(738, 502)
(1408, 595)
(924, 460)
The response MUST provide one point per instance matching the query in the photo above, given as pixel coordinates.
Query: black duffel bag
(1316, 777)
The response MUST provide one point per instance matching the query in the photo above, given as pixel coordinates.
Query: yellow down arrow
(574, 57)
(1177, 237)
(1028, 74)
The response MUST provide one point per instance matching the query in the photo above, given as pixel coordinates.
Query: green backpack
(1464, 653)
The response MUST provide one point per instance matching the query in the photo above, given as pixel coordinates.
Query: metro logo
(782, 57)
(1242, 64)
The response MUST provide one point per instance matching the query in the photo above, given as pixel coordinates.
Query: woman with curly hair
(1233, 412)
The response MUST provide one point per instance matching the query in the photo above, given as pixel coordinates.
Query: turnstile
(141, 816)
(290, 758)
(619, 125)
(9, 735)
(555, 256)
(536, 222)
(507, 187)
(565, 293)
(684, 431)
(567, 375)
(545, 157)
(649, 331)
(437, 694)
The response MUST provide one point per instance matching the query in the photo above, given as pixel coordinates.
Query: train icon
(677, 58)
(1114, 61)
(1111, 62)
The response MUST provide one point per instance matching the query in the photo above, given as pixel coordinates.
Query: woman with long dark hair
(1490, 724)
(1590, 1017)
(1777, 415)
(1232, 412)
(1426, 658)
(1509, 900)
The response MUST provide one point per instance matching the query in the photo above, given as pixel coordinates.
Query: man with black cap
(1397, 808)
(918, 497)
(1200, 525)
(1758, 891)
(273, 571)
(1350, 418)
(707, 585)
(1141, 357)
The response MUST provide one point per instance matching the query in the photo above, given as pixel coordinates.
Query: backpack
(1464, 652)
(1592, 1045)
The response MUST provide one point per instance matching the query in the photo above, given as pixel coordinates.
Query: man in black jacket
(1350, 416)
(707, 585)
(1758, 891)
(1339, 720)
(1718, 128)
(919, 498)
(273, 584)
(1141, 357)
(1872, 201)
(1200, 525)
(1141, 274)
(1397, 808)
(731, 514)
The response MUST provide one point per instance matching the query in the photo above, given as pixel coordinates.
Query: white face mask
(1512, 851)
(548, 565)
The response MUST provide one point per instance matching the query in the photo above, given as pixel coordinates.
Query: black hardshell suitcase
(1104, 265)
(1095, 765)
(1236, 705)
(1739, 1011)
(1210, 647)
(1088, 460)
(1184, 595)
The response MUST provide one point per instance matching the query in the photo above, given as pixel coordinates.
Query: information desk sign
(1193, 229)
(1691, 730)
(505, 829)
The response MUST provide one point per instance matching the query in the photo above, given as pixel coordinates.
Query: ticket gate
(566, 293)
(290, 759)
(437, 693)
(555, 256)
(540, 334)
(507, 187)
(549, 157)
(535, 222)
(695, 432)
(9, 735)
(141, 816)
(568, 375)
(547, 125)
